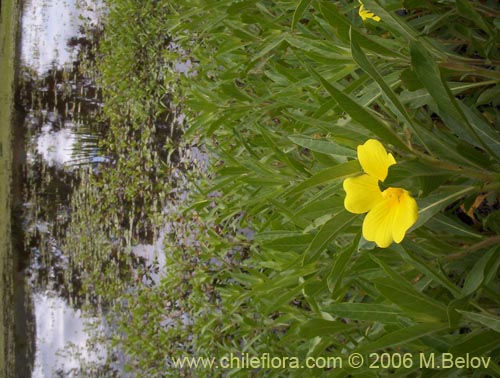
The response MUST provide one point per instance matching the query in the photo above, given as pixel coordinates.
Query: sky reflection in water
(61, 335)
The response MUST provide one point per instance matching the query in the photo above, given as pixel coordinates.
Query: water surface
(56, 102)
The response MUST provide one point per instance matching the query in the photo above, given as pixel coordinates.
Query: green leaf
(266, 47)
(322, 145)
(366, 312)
(334, 280)
(360, 58)
(415, 304)
(476, 344)
(489, 321)
(317, 207)
(336, 172)
(320, 50)
(344, 27)
(426, 268)
(485, 132)
(399, 291)
(327, 233)
(359, 113)
(454, 316)
(277, 300)
(299, 11)
(428, 73)
(416, 98)
(492, 222)
(477, 274)
(466, 9)
(489, 95)
(431, 205)
(417, 175)
(403, 336)
(284, 241)
(410, 80)
(322, 327)
(390, 20)
(441, 223)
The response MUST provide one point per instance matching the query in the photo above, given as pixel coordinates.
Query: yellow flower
(365, 14)
(390, 212)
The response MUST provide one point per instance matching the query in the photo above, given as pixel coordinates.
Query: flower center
(393, 194)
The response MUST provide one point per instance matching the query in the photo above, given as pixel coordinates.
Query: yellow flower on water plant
(390, 212)
(365, 14)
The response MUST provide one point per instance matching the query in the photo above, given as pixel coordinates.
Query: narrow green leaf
(322, 145)
(454, 316)
(275, 301)
(391, 20)
(322, 327)
(421, 97)
(326, 234)
(429, 75)
(466, 9)
(443, 223)
(336, 172)
(477, 274)
(403, 336)
(359, 113)
(366, 312)
(343, 27)
(426, 268)
(415, 304)
(270, 140)
(318, 207)
(299, 11)
(489, 321)
(360, 58)
(334, 280)
(476, 344)
(267, 46)
(485, 132)
(429, 206)
(320, 48)
(399, 291)
(410, 170)
(283, 240)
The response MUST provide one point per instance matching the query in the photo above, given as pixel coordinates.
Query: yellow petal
(374, 159)
(362, 193)
(389, 220)
(407, 215)
(366, 14)
(377, 226)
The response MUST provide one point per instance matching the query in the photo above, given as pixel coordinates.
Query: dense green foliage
(265, 259)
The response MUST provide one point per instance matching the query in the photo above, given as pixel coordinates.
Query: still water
(55, 101)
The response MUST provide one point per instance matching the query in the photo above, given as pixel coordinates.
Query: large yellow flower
(390, 212)
(365, 14)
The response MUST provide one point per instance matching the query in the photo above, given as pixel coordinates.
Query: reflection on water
(58, 103)
(55, 146)
(48, 25)
(63, 340)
